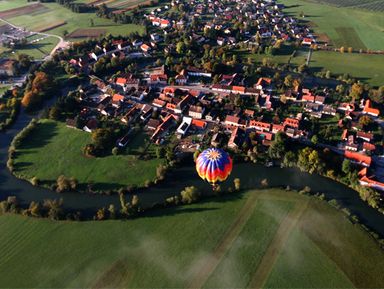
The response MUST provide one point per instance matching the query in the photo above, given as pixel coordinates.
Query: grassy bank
(54, 149)
(225, 242)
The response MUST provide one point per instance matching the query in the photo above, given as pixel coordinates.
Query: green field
(365, 67)
(53, 150)
(271, 238)
(37, 50)
(57, 13)
(344, 26)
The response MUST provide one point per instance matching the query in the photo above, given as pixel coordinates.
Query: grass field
(53, 150)
(57, 13)
(344, 26)
(294, 241)
(365, 67)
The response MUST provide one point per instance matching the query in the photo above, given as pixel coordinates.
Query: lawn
(344, 26)
(222, 240)
(57, 13)
(53, 150)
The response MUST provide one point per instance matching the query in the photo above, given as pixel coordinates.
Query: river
(250, 175)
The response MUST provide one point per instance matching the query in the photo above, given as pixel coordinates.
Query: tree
(346, 166)
(357, 90)
(237, 184)
(365, 121)
(190, 195)
(160, 152)
(314, 139)
(103, 138)
(277, 148)
(65, 33)
(342, 49)
(289, 160)
(309, 161)
(160, 172)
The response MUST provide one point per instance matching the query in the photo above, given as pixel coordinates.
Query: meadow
(364, 67)
(269, 238)
(69, 21)
(54, 149)
(345, 26)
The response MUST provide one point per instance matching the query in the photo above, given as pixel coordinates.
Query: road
(61, 45)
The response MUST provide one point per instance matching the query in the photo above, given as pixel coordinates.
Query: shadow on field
(46, 131)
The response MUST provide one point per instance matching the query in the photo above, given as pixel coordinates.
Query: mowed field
(349, 27)
(54, 149)
(268, 238)
(55, 19)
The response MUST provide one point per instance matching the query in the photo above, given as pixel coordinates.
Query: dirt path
(274, 248)
(225, 244)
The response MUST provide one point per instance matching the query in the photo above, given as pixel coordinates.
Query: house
(184, 126)
(234, 140)
(263, 83)
(358, 158)
(307, 41)
(196, 111)
(232, 120)
(181, 79)
(199, 124)
(368, 147)
(158, 79)
(369, 110)
(277, 128)
(258, 125)
(163, 128)
(152, 124)
(165, 23)
(145, 48)
(291, 122)
(368, 179)
(124, 140)
(7, 67)
(158, 102)
(91, 125)
(117, 99)
(364, 135)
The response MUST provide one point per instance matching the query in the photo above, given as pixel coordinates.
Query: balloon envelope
(214, 165)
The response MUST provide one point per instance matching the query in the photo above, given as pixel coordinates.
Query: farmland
(374, 5)
(55, 150)
(344, 26)
(47, 14)
(187, 246)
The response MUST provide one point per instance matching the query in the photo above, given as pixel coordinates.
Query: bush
(190, 195)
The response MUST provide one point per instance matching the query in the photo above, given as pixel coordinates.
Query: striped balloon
(214, 165)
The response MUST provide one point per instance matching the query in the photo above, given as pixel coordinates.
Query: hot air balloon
(214, 165)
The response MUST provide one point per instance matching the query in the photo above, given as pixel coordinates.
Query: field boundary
(267, 262)
(225, 243)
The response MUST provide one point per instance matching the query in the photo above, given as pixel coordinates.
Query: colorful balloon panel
(214, 165)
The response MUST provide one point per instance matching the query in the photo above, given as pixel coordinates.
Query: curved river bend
(250, 176)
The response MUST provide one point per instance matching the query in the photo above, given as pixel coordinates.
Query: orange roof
(238, 88)
(264, 80)
(358, 157)
(169, 89)
(117, 97)
(369, 109)
(199, 123)
(121, 80)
